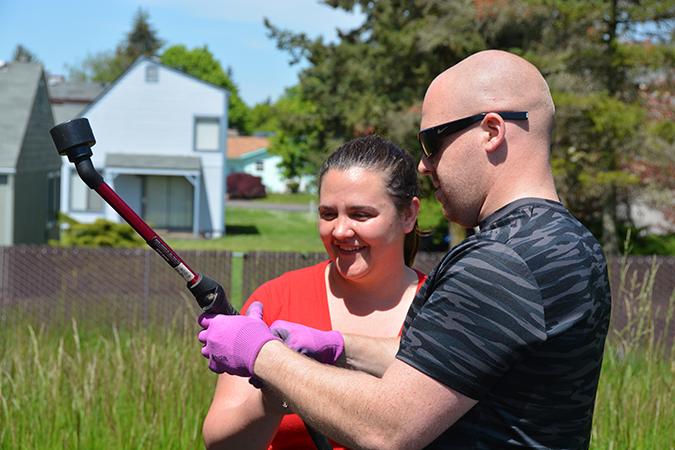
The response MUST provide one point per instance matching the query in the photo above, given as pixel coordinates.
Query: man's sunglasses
(431, 139)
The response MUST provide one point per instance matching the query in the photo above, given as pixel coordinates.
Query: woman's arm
(366, 354)
(241, 416)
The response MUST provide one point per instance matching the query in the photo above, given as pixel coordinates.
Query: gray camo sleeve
(481, 313)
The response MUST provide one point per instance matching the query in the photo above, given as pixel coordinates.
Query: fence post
(146, 286)
(3, 282)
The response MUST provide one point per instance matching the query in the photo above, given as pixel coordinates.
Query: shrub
(244, 185)
(101, 233)
(639, 242)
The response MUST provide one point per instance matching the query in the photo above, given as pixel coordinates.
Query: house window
(207, 134)
(3, 179)
(81, 197)
(259, 166)
(151, 73)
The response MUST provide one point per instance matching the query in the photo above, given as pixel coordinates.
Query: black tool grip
(211, 296)
(72, 134)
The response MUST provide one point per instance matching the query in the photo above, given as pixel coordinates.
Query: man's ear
(495, 127)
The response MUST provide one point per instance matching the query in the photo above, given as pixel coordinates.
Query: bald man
(502, 346)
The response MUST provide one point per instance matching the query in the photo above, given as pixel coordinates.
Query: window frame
(206, 119)
(151, 73)
(91, 195)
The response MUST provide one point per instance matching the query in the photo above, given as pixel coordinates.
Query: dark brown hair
(398, 168)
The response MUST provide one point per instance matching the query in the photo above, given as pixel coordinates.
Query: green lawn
(261, 230)
(270, 230)
(301, 198)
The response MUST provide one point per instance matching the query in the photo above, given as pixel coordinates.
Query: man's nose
(425, 167)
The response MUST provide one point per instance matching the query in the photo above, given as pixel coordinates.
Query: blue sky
(63, 33)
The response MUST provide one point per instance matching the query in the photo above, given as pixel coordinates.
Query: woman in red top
(368, 205)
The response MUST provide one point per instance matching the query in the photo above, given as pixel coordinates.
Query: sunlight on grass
(261, 230)
(300, 198)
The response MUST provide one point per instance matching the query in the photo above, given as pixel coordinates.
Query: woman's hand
(327, 347)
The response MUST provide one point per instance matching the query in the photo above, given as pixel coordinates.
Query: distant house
(249, 154)
(69, 98)
(29, 163)
(161, 146)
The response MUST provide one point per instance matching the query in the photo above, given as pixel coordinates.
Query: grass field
(261, 229)
(300, 198)
(270, 230)
(109, 389)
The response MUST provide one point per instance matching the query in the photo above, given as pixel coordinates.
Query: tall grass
(102, 389)
(93, 387)
(634, 406)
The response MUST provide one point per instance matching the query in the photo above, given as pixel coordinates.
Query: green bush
(101, 233)
(639, 242)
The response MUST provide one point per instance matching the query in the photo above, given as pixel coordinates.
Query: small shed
(29, 163)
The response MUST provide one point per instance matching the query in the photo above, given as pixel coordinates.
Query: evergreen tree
(22, 54)
(106, 67)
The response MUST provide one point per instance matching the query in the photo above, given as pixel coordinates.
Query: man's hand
(324, 346)
(232, 343)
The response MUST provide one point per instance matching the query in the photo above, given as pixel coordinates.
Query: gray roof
(66, 111)
(156, 162)
(18, 86)
(74, 91)
(69, 98)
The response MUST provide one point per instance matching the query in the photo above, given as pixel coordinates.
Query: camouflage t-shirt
(516, 317)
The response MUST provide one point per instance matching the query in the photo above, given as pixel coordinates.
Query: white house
(249, 154)
(161, 145)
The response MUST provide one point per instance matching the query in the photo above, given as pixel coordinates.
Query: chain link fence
(99, 285)
(135, 287)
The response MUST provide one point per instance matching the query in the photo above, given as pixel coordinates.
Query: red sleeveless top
(298, 296)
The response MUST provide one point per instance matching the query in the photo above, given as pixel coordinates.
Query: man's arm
(369, 354)
(403, 409)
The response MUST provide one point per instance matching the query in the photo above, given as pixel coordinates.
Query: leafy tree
(373, 80)
(593, 58)
(107, 66)
(22, 54)
(296, 130)
(263, 117)
(200, 62)
(299, 135)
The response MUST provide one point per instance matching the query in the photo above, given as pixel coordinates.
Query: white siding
(158, 118)
(271, 174)
(6, 208)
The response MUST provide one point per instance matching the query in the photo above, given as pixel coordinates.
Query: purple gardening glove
(232, 343)
(323, 346)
